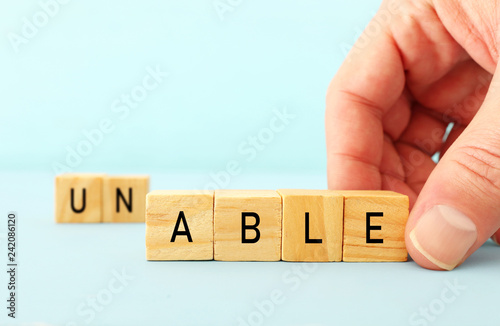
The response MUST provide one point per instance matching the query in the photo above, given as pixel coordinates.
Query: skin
(418, 66)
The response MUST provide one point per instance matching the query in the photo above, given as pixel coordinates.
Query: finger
(458, 208)
(424, 131)
(392, 171)
(417, 165)
(443, 77)
(366, 86)
(458, 94)
(440, 72)
(398, 116)
(463, 106)
(391, 163)
(496, 237)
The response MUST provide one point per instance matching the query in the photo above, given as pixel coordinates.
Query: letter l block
(312, 225)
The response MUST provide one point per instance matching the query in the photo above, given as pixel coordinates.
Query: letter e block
(247, 225)
(124, 198)
(312, 225)
(78, 198)
(374, 226)
(179, 225)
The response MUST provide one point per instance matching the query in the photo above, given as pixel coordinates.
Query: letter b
(245, 227)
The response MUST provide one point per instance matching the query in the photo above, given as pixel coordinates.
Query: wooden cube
(179, 225)
(374, 226)
(312, 225)
(247, 225)
(78, 198)
(124, 198)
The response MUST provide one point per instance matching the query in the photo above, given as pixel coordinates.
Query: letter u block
(247, 225)
(179, 225)
(78, 198)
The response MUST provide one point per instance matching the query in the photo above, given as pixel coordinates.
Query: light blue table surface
(63, 268)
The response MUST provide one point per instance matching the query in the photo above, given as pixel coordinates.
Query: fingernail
(444, 235)
(494, 238)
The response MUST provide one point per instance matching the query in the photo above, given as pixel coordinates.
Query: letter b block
(78, 198)
(124, 198)
(179, 225)
(374, 226)
(247, 225)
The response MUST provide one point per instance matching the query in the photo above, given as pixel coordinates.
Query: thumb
(459, 207)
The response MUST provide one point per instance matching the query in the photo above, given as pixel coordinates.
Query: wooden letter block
(247, 225)
(124, 198)
(312, 225)
(78, 198)
(179, 225)
(374, 226)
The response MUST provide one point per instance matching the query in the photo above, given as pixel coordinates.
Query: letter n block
(78, 198)
(312, 225)
(179, 225)
(124, 198)
(247, 225)
(374, 226)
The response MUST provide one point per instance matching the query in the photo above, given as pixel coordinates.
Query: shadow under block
(312, 225)
(124, 198)
(78, 198)
(179, 225)
(374, 226)
(247, 225)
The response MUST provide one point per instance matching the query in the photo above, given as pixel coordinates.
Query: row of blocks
(95, 198)
(267, 225)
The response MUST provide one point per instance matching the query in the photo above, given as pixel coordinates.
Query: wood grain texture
(228, 209)
(119, 207)
(163, 208)
(395, 209)
(325, 211)
(68, 211)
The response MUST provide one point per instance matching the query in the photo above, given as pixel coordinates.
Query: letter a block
(312, 225)
(179, 225)
(374, 226)
(78, 198)
(124, 198)
(247, 225)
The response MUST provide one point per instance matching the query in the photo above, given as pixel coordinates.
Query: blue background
(227, 71)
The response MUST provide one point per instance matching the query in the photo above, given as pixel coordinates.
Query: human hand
(418, 66)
